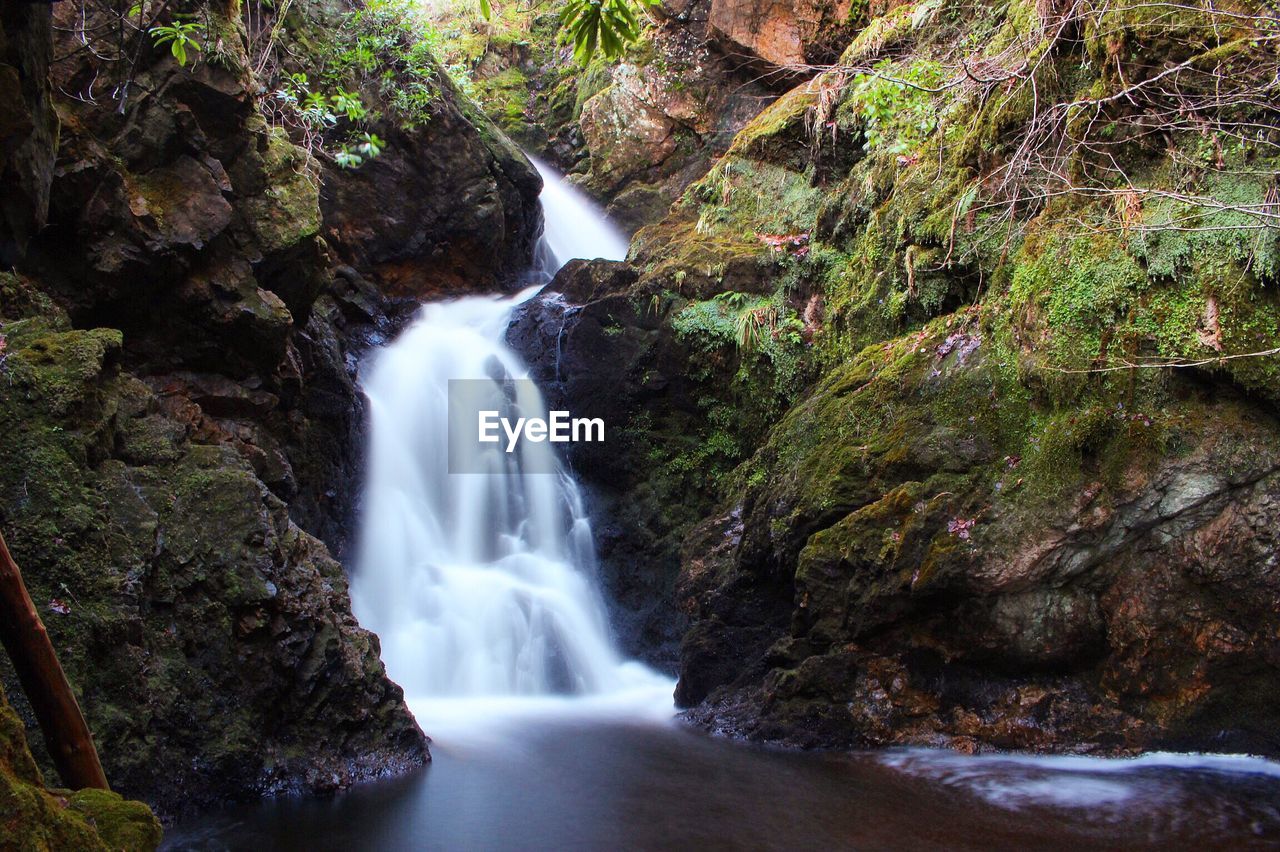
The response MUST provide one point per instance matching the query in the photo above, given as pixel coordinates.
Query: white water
(481, 586)
(1106, 786)
(573, 226)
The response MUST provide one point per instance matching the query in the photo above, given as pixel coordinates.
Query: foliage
(764, 327)
(365, 147)
(181, 36)
(607, 26)
(896, 104)
(387, 47)
(381, 54)
(310, 115)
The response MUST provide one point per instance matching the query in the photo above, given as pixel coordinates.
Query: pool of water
(601, 777)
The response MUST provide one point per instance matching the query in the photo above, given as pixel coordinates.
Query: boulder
(783, 35)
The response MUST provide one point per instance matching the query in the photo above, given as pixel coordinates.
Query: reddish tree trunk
(61, 722)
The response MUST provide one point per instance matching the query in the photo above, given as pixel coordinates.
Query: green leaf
(606, 25)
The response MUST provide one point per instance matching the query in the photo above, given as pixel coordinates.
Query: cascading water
(572, 225)
(480, 585)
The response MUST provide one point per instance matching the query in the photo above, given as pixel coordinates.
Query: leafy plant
(607, 26)
(180, 36)
(896, 104)
(349, 104)
(310, 115)
(363, 148)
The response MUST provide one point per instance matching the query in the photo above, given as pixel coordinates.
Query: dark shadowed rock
(181, 346)
(467, 216)
(28, 125)
(595, 347)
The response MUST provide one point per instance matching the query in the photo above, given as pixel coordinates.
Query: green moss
(1084, 287)
(19, 297)
(505, 98)
(37, 818)
(786, 115)
(886, 31)
(59, 367)
(288, 210)
(122, 824)
(1178, 239)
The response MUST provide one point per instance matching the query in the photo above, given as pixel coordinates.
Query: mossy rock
(33, 817)
(287, 211)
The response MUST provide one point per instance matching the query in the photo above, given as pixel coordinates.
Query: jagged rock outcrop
(211, 638)
(182, 423)
(465, 216)
(664, 113)
(598, 351)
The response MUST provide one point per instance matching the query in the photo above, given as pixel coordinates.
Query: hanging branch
(46, 686)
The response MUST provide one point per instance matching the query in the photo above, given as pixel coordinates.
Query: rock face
(183, 429)
(437, 240)
(28, 127)
(211, 638)
(634, 132)
(934, 582)
(667, 110)
(591, 346)
(783, 34)
(898, 465)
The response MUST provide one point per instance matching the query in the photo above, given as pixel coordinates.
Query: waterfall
(481, 585)
(572, 225)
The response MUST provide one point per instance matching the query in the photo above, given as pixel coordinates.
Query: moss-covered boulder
(970, 564)
(35, 817)
(208, 635)
(973, 440)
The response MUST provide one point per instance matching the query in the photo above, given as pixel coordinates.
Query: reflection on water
(547, 781)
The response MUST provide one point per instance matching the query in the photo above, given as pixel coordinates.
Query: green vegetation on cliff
(1029, 254)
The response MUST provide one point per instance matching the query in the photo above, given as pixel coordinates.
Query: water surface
(597, 781)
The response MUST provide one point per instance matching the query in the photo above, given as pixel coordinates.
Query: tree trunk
(63, 726)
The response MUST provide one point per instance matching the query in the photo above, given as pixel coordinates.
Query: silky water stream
(481, 588)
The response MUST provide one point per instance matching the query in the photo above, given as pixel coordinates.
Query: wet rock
(206, 629)
(469, 217)
(666, 113)
(594, 347)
